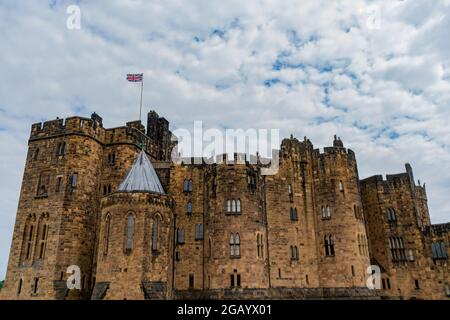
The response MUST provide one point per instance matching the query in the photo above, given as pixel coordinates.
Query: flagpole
(142, 89)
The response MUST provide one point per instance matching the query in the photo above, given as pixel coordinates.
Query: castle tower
(134, 258)
(56, 216)
(343, 251)
(290, 218)
(235, 234)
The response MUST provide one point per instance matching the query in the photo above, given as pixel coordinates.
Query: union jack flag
(135, 77)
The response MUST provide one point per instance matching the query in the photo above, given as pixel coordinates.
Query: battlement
(438, 229)
(222, 159)
(89, 126)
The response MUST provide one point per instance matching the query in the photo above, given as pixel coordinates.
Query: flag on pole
(137, 77)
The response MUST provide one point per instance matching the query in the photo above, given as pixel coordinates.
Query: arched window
(130, 231)
(28, 238)
(155, 233)
(291, 214)
(238, 205)
(259, 245)
(199, 231)
(107, 234)
(41, 237)
(190, 186)
(328, 212)
(185, 185)
(233, 205)
(109, 189)
(235, 245)
(295, 214)
(391, 216)
(341, 186)
(232, 252)
(43, 241)
(329, 245)
(61, 149)
(294, 253)
(228, 205)
(180, 235)
(323, 213)
(189, 208)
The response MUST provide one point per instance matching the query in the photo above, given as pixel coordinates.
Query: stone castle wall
(223, 227)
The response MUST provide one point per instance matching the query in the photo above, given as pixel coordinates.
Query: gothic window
(130, 232)
(180, 235)
(294, 253)
(235, 245)
(259, 245)
(41, 237)
(187, 185)
(341, 186)
(293, 215)
(106, 234)
(397, 249)
(61, 149)
(189, 208)
(199, 231)
(109, 189)
(439, 251)
(323, 212)
(74, 180)
(42, 242)
(328, 212)
(155, 233)
(232, 245)
(234, 206)
(28, 238)
(329, 245)
(391, 216)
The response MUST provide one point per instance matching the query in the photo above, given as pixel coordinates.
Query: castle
(140, 226)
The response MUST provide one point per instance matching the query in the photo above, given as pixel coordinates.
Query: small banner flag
(135, 77)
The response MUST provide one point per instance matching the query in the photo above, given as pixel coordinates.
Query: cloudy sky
(377, 73)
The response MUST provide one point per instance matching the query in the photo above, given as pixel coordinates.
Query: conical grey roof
(142, 176)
